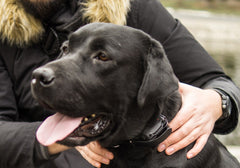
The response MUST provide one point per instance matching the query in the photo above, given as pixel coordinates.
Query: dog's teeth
(86, 119)
(93, 115)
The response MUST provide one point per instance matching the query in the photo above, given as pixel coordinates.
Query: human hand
(195, 120)
(95, 154)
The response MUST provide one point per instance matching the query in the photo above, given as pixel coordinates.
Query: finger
(96, 147)
(184, 114)
(183, 142)
(177, 136)
(197, 148)
(172, 139)
(89, 159)
(181, 132)
(92, 157)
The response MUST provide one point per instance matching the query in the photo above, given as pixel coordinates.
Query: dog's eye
(102, 57)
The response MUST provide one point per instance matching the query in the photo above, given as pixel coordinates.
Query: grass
(228, 7)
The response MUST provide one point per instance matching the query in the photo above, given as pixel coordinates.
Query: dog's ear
(159, 79)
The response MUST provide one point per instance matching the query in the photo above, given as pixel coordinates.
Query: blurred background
(216, 25)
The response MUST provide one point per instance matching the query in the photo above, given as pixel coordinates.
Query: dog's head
(107, 83)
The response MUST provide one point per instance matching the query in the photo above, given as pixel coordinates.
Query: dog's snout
(43, 76)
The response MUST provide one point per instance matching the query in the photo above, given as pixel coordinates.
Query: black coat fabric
(20, 114)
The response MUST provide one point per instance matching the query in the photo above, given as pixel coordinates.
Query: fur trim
(17, 26)
(111, 11)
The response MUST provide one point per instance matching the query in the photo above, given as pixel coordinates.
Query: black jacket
(20, 114)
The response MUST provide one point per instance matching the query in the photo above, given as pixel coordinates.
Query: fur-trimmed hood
(18, 27)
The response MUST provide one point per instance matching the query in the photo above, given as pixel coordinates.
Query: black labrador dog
(114, 84)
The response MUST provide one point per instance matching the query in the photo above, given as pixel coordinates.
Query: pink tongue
(56, 128)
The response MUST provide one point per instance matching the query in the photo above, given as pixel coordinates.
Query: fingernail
(97, 165)
(109, 156)
(161, 147)
(189, 155)
(170, 151)
(106, 161)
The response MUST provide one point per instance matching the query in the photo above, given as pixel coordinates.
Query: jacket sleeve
(190, 62)
(229, 124)
(17, 138)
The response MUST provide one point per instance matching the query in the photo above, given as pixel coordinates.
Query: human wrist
(216, 106)
(57, 148)
(226, 105)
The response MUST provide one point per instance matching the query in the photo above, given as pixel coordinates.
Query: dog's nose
(43, 76)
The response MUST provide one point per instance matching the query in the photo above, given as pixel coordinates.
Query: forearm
(17, 144)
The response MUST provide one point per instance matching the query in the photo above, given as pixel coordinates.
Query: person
(31, 33)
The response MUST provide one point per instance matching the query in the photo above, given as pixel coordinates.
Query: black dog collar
(155, 133)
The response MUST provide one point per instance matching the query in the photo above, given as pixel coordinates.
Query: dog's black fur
(124, 74)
